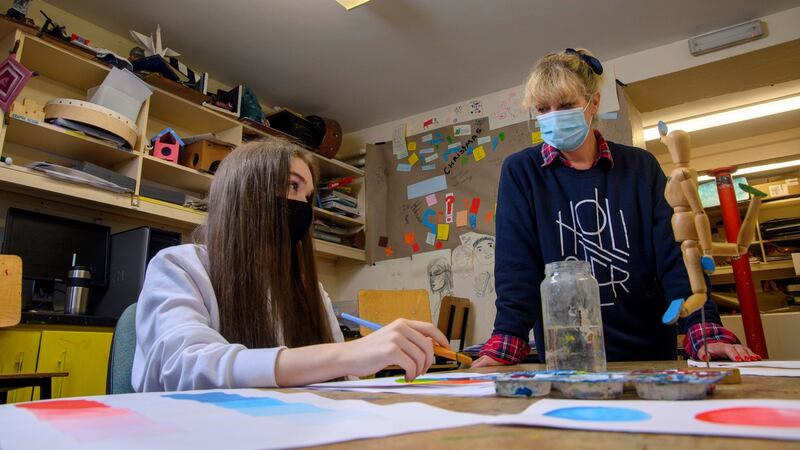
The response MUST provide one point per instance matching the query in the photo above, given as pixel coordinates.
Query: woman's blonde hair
(560, 76)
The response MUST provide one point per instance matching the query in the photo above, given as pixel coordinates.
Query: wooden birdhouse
(167, 145)
(204, 155)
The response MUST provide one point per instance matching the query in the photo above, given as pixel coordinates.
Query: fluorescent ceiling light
(350, 4)
(757, 169)
(726, 37)
(727, 117)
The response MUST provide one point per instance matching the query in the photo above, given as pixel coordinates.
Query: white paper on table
(662, 417)
(394, 385)
(258, 419)
(764, 368)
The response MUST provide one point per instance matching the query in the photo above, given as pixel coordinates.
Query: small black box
(106, 174)
(166, 195)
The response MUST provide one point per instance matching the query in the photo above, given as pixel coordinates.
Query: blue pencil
(359, 321)
(437, 349)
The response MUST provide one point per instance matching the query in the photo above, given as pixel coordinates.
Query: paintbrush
(438, 350)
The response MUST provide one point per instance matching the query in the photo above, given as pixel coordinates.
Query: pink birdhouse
(167, 145)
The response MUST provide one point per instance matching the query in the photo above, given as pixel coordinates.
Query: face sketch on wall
(484, 251)
(483, 257)
(440, 277)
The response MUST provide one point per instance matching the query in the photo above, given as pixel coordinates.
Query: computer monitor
(131, 251)
(46, 244)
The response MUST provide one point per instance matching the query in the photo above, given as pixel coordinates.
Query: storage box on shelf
(65, 74)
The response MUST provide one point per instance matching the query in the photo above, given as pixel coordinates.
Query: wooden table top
(17, 376)
(510, 437)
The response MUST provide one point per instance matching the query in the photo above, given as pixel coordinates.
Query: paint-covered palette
(650, 385)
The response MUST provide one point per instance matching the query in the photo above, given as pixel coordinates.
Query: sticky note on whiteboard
(430, 239)
(461, 218)
(431, 200)
(479, 153)
(413, 159)
(462, 130)
(427, 138)
(484, 140)
(536, 137)
(426, 187)
(403, 167)
(443, 231)
(412, 146)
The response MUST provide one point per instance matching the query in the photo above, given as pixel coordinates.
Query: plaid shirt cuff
(506, 349)
(714, 333)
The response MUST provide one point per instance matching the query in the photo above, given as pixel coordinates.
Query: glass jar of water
(573, 326)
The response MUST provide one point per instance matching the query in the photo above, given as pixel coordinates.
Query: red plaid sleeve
(506, 349)
(714, 333)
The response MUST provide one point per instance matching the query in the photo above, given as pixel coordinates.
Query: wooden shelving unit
(50, 138)
(64, 73)
(762, 269)
(181, 177)
(338, 218)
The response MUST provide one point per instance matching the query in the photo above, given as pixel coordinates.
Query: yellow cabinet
(81, 353)
(18, 352)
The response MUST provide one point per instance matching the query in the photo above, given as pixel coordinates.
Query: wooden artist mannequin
(691, 226)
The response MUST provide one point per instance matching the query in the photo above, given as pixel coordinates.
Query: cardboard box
(783, 188)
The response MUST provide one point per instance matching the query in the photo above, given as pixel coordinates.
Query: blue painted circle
(599, 414)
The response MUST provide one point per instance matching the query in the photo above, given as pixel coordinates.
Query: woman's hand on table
(721, 350)
(485, 361)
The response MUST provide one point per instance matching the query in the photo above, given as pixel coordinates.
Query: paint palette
(649, 385)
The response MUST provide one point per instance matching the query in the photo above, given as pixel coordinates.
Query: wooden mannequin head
(678, 143)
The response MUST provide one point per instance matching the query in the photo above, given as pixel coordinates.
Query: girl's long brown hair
(266, 288)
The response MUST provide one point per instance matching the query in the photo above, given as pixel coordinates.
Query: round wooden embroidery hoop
(94, 115)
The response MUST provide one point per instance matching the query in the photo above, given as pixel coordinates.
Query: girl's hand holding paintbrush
(406, 343)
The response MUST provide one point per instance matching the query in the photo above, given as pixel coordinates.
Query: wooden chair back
(453, 316)
(385, 306)
(10, 290)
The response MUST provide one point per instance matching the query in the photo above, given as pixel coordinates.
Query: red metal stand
(751, 316)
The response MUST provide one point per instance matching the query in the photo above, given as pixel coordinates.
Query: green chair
(123, 346)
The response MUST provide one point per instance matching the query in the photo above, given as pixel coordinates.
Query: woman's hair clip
(593, 62)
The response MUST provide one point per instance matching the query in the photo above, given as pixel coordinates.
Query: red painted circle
(438, 245)
(754, 417)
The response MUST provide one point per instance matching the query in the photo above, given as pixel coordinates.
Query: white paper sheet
(757, 368)
(215, 419)
(505, 107)
(767, 419)
(428, 384)
(473, 278)
(399, 141)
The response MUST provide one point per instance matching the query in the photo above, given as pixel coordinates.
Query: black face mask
(300, 217)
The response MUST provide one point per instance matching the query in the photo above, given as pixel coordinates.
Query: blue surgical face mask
(565, 130)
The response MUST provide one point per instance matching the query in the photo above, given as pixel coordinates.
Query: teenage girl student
(578, 196)
(243, 307)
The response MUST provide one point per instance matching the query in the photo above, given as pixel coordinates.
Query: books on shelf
(327, 195)
(338, 196)
(339, 208)
(331, 232)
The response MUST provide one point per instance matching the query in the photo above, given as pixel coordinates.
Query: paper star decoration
(152, 46)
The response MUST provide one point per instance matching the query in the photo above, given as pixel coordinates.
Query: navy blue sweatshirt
(614, 217)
